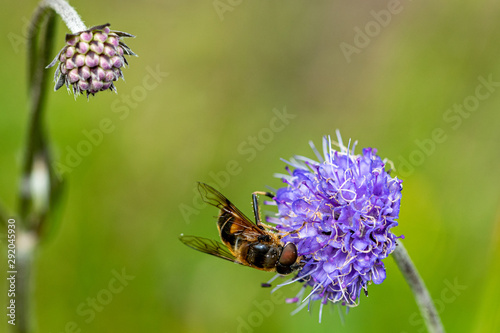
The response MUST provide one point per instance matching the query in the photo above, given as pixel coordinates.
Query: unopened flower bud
(91, 60)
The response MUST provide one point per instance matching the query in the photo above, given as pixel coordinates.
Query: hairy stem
(417, 286)
(67, 13)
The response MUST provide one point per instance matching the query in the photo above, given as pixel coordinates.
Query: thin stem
(417, 286)
(36, 164)
(25, 245)
(38, 54)
(67, 13)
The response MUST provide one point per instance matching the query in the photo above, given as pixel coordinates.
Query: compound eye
(288, 255)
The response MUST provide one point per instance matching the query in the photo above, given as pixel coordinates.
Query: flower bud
(91, 60)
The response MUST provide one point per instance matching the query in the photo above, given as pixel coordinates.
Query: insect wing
(208, 246)
(217, 199)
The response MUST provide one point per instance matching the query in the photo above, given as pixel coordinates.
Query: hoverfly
(251, 244)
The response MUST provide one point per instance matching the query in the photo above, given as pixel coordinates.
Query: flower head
(339, 213)
(91, 60)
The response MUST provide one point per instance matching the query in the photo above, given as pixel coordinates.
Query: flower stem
(67, 13)
(34, 202)
(417, 285)
(26, 244)
(39, 47)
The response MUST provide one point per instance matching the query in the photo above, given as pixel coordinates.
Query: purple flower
(339, 213)
(91, 60)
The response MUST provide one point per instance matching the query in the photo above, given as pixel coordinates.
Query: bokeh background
(389, 81)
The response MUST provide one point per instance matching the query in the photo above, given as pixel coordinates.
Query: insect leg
(294, 231)
(255, 205)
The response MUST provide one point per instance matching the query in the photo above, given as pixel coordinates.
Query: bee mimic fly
(243, 241)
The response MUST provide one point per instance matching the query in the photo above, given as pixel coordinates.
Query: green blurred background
(228, 69)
